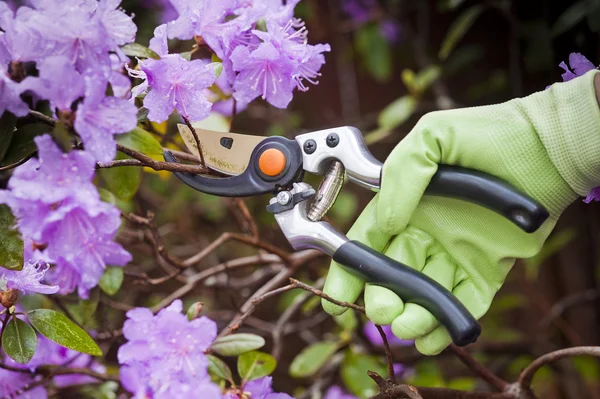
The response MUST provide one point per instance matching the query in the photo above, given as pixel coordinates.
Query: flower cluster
(47, 353)
(263, 49)
(78, 60)
(56, 204)
(164, 356)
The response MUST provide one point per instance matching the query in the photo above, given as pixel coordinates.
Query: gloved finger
(340, 283)
(417, 321)
(410, 247)
(476, 302)
(406, 174)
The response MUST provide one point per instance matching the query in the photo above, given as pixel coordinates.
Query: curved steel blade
(225, 152)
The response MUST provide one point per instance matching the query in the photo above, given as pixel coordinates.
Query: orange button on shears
(272, 162)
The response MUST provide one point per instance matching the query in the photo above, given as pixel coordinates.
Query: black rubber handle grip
(489, 192)
(412, 286)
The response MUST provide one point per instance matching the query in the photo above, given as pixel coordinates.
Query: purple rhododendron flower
(174, 83)
(372, 334)
(264, 72)
(335, 392)
(56, 203)
(10, 92)
(58, 82)
(99, 118)
(579, 65)
(594, 195)
(166, 350)
(27, 280)
(11, 383)
(390, 30)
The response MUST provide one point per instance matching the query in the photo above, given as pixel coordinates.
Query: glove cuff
(570, 130)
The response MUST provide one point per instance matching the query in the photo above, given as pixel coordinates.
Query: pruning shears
(257, 165)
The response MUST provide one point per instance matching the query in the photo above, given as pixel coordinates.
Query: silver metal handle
(344, 144)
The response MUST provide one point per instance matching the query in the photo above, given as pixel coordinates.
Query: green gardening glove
(547, 145)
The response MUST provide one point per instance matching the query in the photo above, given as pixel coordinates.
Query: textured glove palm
(546, 145)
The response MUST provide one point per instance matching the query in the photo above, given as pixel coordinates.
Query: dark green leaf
(236, 344)
(7, 129)
(425, 78)
(448, 5)
(107, 196)
(61, 136)
(22, 144)
(374, 51)
(123, 181)
(218, 367)
(312, 358)
(83, 310)
(58, 328)
(255, 364)
(140, 140)
(397, 112)
(142, 114)
(19, 340)
(137, 50)
(571, 16)
(111, 280)
(354, 373)
(462, 58)
(458, 29)
(11, 244)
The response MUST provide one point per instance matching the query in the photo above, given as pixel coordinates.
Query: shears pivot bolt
(284, 197)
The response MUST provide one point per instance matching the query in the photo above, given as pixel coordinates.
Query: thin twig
(197, 139)
(42, 118)
(388, 354)
(479, 369)
(527, 375)
(158, 165)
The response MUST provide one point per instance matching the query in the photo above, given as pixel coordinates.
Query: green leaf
(83, 310)
(397, 112)
(218, 367)
(107, 196)
(237, 344)
(19, 341)
(194, 310)
(123, 181)
(354, 373)
(448, 5)
(58, 328)
(347, 321)
(463, 384)
(111, 280)
(108, 390)
(425, 78)
(374, 51)
(22, 144)
(255, 364)
(61, 136)
(458, 29)
(7, 129)
(137, 50)
(312, 358)
(140, 140)
(571, 16)
(11, 244)
(142, 114)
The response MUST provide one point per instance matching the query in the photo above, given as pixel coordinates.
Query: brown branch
(53, 370)
(238, 321)
(390, 389)
(565, 303)
(388, 354)
(158, 165)
(197, 139)
(527, 375)
(38, 116)
(479, 369)
(244, 216)
(119, 163)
